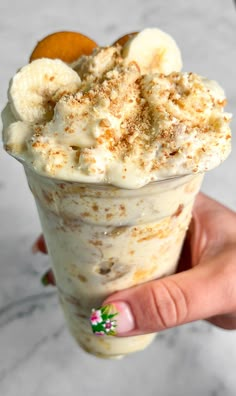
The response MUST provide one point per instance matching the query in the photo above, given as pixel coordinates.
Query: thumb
(199, 293)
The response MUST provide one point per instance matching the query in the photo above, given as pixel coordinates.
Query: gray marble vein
(38, 356)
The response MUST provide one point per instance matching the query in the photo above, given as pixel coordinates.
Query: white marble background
(38, 357)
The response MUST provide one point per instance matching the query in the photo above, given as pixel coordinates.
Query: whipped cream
(124, 127)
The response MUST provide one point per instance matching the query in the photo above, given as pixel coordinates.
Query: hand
(203, 288)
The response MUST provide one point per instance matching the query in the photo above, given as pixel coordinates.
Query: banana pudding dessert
(115, 142)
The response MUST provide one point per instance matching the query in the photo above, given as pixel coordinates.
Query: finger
(211, 229)
(216, 220)
(48, 278)
(204, 291)
(39, 245)
(227, 322)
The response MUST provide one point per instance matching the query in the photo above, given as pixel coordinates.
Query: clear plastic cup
(102, 239)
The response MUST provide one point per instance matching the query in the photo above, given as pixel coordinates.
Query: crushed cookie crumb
(128, 128)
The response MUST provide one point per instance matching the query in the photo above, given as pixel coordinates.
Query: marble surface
(38, 357)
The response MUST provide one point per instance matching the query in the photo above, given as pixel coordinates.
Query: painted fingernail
(45, 280)
(39, 246)
(103, 320)
(125, 322)
(48, 278)
(113, 319)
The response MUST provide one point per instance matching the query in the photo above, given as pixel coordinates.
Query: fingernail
(125, 320)
(112, 319)
(39, 246)
(104, 320)
(48, 279)
(45, 280)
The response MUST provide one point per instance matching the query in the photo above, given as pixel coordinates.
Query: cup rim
(105, 185)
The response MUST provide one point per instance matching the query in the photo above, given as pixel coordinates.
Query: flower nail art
(96, 317)
(102, 320)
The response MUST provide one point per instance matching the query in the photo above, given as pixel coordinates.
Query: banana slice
(35, 89)
(7, 119)
(154, 51)
(14, 132)
(15, 137)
